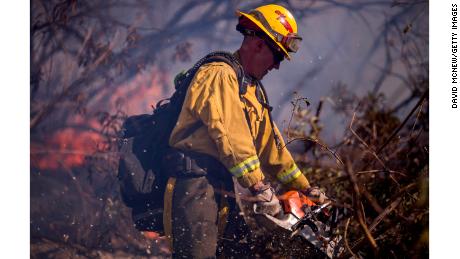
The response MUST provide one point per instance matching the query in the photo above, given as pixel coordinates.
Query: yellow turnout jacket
(249, 153)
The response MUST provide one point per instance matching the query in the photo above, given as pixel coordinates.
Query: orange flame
(68, 147)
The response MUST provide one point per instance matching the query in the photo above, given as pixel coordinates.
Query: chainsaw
(316, 224)
(302, 225)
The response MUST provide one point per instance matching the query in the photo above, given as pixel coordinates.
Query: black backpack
(143, 141)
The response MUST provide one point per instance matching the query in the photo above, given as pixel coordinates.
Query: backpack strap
(217, 56)
(167, 211)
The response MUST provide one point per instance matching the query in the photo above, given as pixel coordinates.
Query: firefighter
(225, 132)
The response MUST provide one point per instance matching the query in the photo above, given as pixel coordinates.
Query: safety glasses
(278, 55)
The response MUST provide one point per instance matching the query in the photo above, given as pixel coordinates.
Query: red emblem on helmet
(283, 21)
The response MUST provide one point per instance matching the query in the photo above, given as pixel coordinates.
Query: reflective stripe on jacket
(213, 98)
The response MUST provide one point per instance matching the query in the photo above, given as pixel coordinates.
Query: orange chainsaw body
(294, 202)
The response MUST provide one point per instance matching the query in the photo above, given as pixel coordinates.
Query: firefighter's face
(266, 59)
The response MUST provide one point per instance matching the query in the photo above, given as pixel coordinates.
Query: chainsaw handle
(305, 221)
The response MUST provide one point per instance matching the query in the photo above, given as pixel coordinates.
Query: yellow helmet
(278, 24)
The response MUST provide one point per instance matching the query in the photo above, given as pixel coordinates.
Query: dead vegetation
(379, 170)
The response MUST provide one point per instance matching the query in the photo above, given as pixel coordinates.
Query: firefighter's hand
(316, 195)
(266, 201)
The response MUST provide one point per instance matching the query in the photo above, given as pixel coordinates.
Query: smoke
(91, 129)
